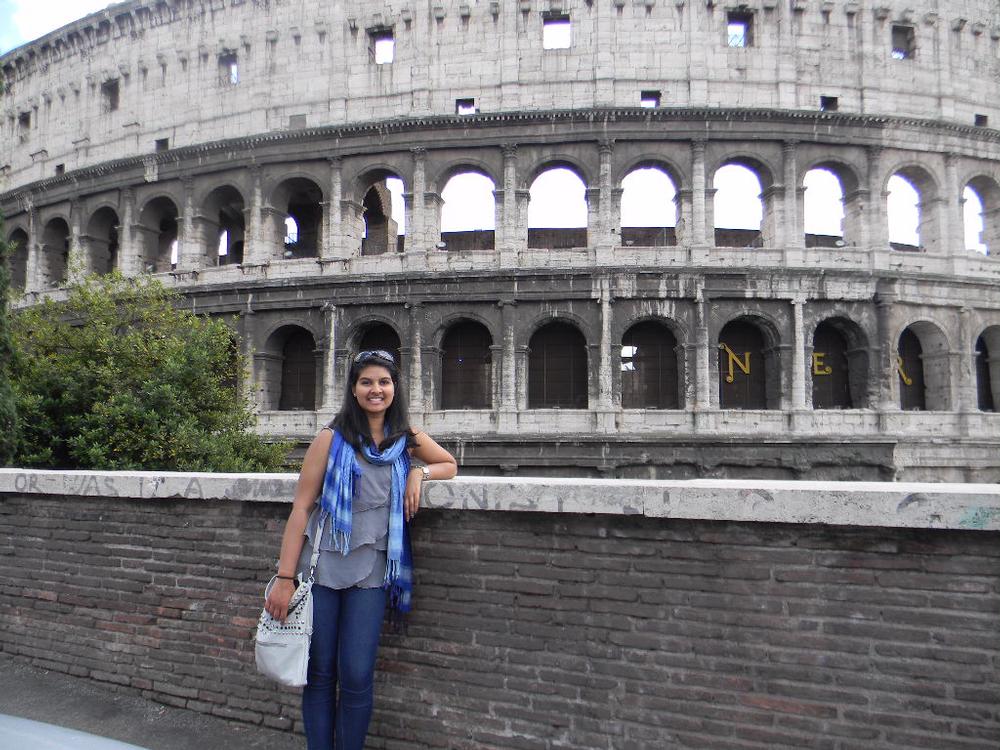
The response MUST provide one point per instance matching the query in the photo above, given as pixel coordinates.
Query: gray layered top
(364, 564)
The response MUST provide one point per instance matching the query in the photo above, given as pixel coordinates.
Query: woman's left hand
(411, 498)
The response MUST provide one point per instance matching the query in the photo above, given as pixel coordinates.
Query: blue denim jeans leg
(346, 627)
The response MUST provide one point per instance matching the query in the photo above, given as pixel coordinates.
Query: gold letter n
(735, 359)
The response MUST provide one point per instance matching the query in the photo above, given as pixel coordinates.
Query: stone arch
(157, 234)
(457, 316)
(289, 369)
(376, 332)
(729, 193)
(839, 364)
(557, 208)
(849, 204)
(296, 225)
(928, 220)
(748, 364)
(462, 165)
(987, 368)
(677, 175)
(466, 365)
(375, 225)
(474, 191)
(101, 242)
(53, 261)
(923, 369)
(987, 190)
(639, 223)
(557, 161)
(17, 260)
(221, 225)
(652, 372)
(558, 367)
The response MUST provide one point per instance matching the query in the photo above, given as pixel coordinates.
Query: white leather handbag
(282, 648)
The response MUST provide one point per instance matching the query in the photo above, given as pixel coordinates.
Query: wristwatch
(426, 472)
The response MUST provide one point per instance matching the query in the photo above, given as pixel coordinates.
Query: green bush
(121, 377)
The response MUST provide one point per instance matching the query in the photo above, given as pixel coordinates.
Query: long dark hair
(352, 422)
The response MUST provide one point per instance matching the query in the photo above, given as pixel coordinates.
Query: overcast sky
(24, 20)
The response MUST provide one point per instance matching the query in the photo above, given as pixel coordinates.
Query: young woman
(357, 480)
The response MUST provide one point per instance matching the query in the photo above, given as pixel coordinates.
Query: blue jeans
(346, 627)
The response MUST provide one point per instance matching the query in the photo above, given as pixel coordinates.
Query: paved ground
(40, 695)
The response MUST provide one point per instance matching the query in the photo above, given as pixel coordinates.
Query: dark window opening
(984, 384)
(742, 374)
(739, 29)
(830, 369)
(904, 43)
(298, 373)
(162, 144)
(649, 99)
(910, 368)
(229, 69)
(381, 45)
(465, 106)
(24, 123)
(557, 368)
(649, 368)
(60, 169)
(110, 95)
(381, 336)
(466, 367)
(982, 121)
(828, 103)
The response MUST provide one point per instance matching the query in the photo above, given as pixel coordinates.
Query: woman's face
(373, 389)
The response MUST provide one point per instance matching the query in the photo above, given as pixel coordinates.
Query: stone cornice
(599, 118)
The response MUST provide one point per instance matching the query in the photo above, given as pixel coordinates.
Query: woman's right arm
(306, 491)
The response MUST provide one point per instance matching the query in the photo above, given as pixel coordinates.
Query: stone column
(798, 356)
(965, 393)
(508, 368)
(77, 261)
(189, 249)
(699, 196)
(886, 366)
(333, 246)
(521, 376)
(876, 220)
(953, 218)
(416, 369)
(129, 254)
(417, 240)
(701, 375)
(605, 398)
(331, 380)
(794, 229)
(247, 377)
(602, 236)
(35, 274)
(254, 247)
(682, 202)
(507, 242)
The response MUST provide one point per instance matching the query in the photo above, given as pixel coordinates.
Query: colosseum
(249, 154)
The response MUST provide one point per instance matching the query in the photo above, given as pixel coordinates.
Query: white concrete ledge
(880, 504)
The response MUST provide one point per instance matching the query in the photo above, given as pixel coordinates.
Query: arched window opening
(157, 236)
(557, 368)
(300, 200)
(823, 209)
(466, 367)
(17, 260)
(910, 369)
(468, 216)
(972, 215)
(649, 368)
(831, 371)
(381, 231)
(298, 372)
(903, 209)
(225, 230)
(649, 211)
(382, 337)
(984, 381)
(742, 367)
(557, 210)
(100, 244)
(55, 253)
(737, 207)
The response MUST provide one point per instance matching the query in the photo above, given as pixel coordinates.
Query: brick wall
(541, 630)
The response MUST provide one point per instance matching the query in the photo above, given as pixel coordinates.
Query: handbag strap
(316, 544)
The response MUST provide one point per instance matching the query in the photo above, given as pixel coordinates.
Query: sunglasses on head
(374, 354)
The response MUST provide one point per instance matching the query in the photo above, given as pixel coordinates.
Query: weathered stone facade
(149, 128)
